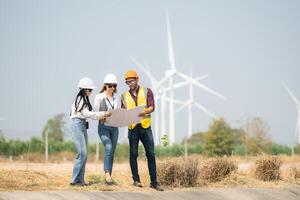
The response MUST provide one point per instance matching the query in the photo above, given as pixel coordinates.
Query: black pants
(145, 136)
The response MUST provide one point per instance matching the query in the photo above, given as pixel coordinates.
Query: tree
(257, 138)
(196, 138)
(36, 145)
(55, 128)
(297, 149)
(219, 139)
(3, 144)
(17, 147)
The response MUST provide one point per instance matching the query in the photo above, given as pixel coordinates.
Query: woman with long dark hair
(81, 111)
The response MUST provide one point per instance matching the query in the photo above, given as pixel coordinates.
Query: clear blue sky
(246, 47)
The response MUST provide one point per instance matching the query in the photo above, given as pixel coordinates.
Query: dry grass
(290, 159)
(217, 169)
(267, 168)
(41, 176)
(29, 180)
(179, 172)
(291, 173)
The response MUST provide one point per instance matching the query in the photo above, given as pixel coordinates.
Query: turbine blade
(201, 85)
(175, 101)
(179, 85)
(291, 94)
(143, 68)
(201, 77)
(170, 44)
(182, 106)
(198, 105)
(161, 82)
(184, 83)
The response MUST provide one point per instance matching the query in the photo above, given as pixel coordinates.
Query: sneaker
(156, 186)
(108, 179)
(73, 184)
(79, 184)
(108, 182)
(137, 184)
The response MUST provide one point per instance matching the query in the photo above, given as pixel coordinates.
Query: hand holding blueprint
(122, 117)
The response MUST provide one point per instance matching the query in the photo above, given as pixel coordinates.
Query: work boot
(137, 184)
(156, 186)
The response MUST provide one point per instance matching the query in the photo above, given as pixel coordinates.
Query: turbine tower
(297, 102)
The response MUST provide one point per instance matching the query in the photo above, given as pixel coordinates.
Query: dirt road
(209, 194)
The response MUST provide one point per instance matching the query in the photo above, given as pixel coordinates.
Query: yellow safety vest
(141, 101)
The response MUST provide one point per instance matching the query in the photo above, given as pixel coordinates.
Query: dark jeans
(145, 136)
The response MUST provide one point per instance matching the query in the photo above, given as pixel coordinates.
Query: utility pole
(46, 145)
(185, 148)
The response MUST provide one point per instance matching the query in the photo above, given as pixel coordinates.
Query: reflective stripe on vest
(141, 101)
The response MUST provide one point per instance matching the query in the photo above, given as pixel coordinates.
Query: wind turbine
(171, 74)
(297, 102)
(189, 104)
(160, 94)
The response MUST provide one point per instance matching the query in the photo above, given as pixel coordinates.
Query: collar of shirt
(137, 91)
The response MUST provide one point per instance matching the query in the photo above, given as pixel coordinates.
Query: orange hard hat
(131, 74)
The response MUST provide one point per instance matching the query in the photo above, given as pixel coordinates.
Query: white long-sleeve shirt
(85, 113)
(111, 104)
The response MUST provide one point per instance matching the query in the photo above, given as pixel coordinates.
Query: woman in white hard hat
(104, 101)
(80, 111)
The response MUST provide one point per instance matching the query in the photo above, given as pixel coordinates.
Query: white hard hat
(86, 83)
(110, 78)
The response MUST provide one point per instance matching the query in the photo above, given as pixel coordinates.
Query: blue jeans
(109, 137)
(79, 135)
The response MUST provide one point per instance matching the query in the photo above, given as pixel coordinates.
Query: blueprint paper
(122, 117)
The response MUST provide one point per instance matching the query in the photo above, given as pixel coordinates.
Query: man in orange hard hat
(140, 96)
